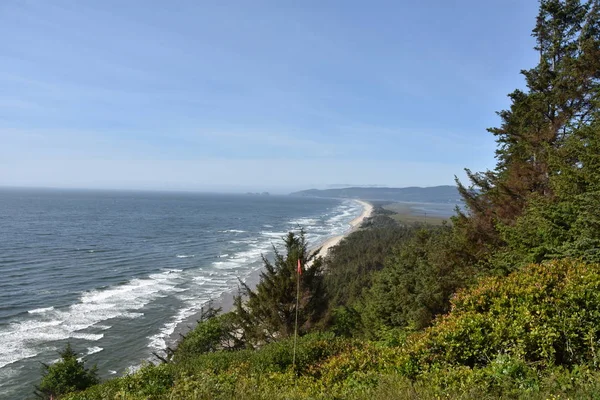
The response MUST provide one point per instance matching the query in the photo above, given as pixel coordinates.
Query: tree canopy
(65, 376)
(268, 312)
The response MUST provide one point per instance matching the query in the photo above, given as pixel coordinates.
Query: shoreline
(225, 300)
(324, 247)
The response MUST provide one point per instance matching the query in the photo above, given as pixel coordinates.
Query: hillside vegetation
(502, 303)
(434, 194)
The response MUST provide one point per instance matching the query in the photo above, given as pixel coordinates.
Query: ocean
(118, 274)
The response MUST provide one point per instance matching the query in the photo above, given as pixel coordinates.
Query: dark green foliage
(350, 265)
(150, 381)
(568, 223)
(346, 322)
(269, 311)
(504, 378)
(312, 348)
(544, 315)
(65, 376)
(217, 332)
(542, 140)
(417, 282)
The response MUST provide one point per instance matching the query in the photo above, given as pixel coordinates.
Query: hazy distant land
(436, 194)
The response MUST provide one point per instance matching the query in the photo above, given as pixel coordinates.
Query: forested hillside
(502, 303)
(434, 194)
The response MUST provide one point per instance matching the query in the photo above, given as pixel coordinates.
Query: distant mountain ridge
(433, 194)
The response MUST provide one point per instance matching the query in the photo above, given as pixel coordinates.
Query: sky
(255, 95)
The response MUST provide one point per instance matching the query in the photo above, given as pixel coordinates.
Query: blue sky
(241, 95)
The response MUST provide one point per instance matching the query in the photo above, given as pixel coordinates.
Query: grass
(406, 213)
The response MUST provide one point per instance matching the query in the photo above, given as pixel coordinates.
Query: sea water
(117, 273)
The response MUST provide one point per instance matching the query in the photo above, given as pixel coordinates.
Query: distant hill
(434, 194)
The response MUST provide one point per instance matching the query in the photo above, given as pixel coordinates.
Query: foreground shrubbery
(533, 334)
(221, 373)
(69, 374)
(544, 315)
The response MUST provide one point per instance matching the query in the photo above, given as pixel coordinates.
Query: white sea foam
(14, 353)
(27, 338)
(277, 235)
(225, 273)
(304, 222)
(246, 241)
(132, 369)
(94, 350)
(102, 327)
(345, 213)
(193, 305)
(88, 336)
(211, 284)
(40, 310)
(85, 319)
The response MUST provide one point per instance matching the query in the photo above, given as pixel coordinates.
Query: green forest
(503, 301)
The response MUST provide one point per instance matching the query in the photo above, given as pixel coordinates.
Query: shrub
(67, 375)
(211, 334)
(546, 314)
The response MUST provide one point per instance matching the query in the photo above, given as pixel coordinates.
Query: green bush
(212, 334)
(150, 382)
(419, 277)
(274, 357)
(546, 314)
(346, 321)
(67, 375)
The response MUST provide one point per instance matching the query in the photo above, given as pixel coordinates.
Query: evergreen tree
(268, 313)
(568, 223)
(561, 100)
(65, 376)
(416, 284)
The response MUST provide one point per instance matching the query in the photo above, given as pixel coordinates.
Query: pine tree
(65, 376)
(268, 312)
(561, 99)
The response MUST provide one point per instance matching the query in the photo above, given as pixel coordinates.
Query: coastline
(225, 300)
(323, 248)
(148, 277)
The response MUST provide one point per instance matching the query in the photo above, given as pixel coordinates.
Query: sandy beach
(354, 224)
(225, 301)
